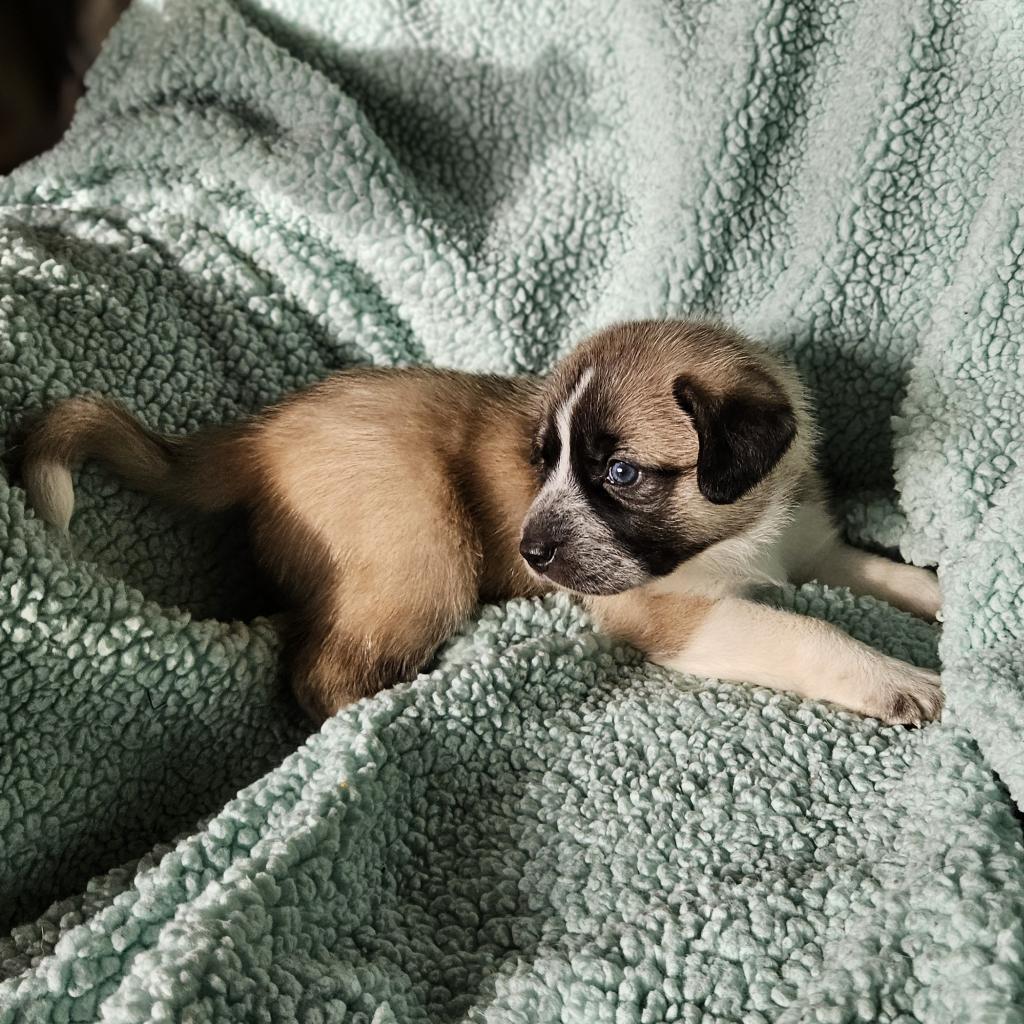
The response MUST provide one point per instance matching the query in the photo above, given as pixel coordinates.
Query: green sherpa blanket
(540, 828)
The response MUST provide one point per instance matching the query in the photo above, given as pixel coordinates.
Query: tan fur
(389, 502)
(657, 624)
(389, 476)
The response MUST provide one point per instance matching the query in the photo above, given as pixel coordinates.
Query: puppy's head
(656, 440)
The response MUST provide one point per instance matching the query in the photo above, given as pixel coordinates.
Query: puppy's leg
(331, 668)
(369, 618)
(741, 640)
(370, 629)
(375, 547)
(819, 554)
(907, 587)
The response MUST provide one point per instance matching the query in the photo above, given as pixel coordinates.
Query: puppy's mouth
(566, 575)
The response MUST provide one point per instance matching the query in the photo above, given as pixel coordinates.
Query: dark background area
(46, 46)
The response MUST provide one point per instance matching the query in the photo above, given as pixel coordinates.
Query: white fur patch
(751, 558)
(561, 479)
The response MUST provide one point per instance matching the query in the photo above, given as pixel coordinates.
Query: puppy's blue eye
(622, 474)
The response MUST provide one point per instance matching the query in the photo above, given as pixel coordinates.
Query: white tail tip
(51, 492)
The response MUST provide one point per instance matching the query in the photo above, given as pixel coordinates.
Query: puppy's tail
(206, 471)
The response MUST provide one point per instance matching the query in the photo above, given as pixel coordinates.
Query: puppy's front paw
(909, 696)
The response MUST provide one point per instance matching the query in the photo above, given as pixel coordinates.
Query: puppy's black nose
(540, 554)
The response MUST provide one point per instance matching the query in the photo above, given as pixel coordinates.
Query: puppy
(658, 473)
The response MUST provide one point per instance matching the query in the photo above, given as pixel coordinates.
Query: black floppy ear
(742, 437)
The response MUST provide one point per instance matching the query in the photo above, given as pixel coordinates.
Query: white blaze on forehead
(560, 479)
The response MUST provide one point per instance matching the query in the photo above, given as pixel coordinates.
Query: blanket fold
(541, 827)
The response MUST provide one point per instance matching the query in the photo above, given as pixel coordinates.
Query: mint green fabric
(540, 828)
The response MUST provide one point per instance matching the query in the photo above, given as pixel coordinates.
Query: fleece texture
(541, 827)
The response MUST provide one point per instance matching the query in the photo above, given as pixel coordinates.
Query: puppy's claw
(913, 699)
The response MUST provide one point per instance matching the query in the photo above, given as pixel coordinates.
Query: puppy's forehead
(627, 401)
